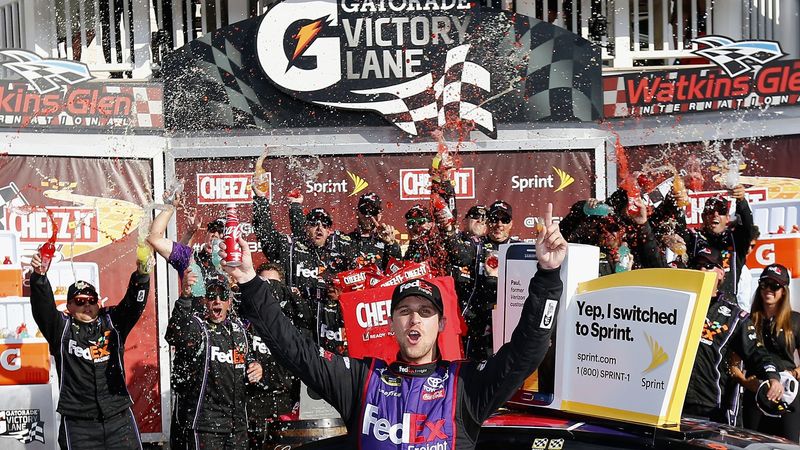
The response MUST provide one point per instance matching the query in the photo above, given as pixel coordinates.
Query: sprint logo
(657, 354)
(359, 184)
(521, 184)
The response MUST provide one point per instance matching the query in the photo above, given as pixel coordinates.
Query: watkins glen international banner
(748, 74)
(53, 93)
(418, 65)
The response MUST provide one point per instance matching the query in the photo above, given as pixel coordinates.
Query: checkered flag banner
(447, 96)
(34, 433)
(45, 75)
(738, 57)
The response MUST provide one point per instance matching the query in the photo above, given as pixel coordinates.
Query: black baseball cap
(217, 225)
(418, 211)
(706, 254)
(499, 208)
(369, 204)
(476, 212)
(716, 203)
(81, 288)
(218, 285)
(419, 287)
(776, 273)
(319, 215)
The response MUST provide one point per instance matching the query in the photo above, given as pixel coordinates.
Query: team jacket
(732, 243)
(402, 406)
(775, 342)
(209, 370)
(89, 356)
(371, 245)
(303, 262)
(477, 308)
(727, 328)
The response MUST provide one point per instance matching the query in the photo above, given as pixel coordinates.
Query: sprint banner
(629, 344)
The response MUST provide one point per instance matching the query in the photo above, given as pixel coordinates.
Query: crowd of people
(244, 337)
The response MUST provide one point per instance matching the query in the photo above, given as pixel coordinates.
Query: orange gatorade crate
(24, 361)
(10, 282)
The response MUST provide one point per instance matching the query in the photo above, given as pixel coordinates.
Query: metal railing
(130, 37)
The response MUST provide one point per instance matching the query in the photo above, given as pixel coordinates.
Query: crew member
(88, 344)
(441, 403)
(213, 364)
(373, 240)
(727, 328)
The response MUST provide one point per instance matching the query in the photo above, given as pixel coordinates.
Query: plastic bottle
(233, 254)
(199, 286)
(624, 261)
(678, 186)
(144, 257)
(48, 249)
(260, 179)
(633, 192)
(601, 209)
(441, 208)
(175, 188)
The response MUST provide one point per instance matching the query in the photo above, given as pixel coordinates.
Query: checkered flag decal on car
(45, 75)
(737, 58)
(414, 103)
(34, 433)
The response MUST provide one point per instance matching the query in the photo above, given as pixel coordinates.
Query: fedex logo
(96, 353)
(72, 224)
(259, 346)
(415, 183)
(373, 314)
(697, 201)
(415, 428)
(227, 187)
(301, 271)
(232, 356)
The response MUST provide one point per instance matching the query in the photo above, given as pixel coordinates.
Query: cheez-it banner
(366, 321)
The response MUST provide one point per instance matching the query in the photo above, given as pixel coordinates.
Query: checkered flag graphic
(34, 433)
(415, 106)
(738, 57)
(45, 75)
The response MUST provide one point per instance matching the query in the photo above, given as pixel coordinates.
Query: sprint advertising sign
(630, 342)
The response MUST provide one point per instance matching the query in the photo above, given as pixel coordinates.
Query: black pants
(788, 425)
(116, 432)
(189, 439)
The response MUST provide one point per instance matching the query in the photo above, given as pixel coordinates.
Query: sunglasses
(80, 301)
(477, 217)
(417, 220)
(505, 220)
(769, 285)
(314, 223)
(212, 297)
(707, 266)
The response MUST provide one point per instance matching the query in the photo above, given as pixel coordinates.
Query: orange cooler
(781, 249)
(24, 361)
(10, 282)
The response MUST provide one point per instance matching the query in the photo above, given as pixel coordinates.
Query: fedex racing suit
(727, 328)
(93, 400)
(402, 406)
(209, 379)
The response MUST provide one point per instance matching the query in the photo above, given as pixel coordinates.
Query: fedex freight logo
(414, 429)
(406, 60)
(215, 188)
(73, 224)
(697, 201)
(415, 183)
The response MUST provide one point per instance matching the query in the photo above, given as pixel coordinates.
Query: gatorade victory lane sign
(417, 63)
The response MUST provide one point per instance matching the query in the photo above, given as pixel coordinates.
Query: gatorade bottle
(260, 178)
(144, 257)
(601, 209)
(624, 262)
(439, 205)
(678, 186)
(48, 249)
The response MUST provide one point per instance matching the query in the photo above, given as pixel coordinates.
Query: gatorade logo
(232, 356)
(415, 428)
(415, 183)
(10, 359)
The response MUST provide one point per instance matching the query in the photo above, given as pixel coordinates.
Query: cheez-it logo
(216, 188)
(415, 183)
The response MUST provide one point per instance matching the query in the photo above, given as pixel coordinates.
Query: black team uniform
(93, 400)
(446, 401)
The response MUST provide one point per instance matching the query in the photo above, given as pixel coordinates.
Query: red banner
(97, 205)
(366, 322)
